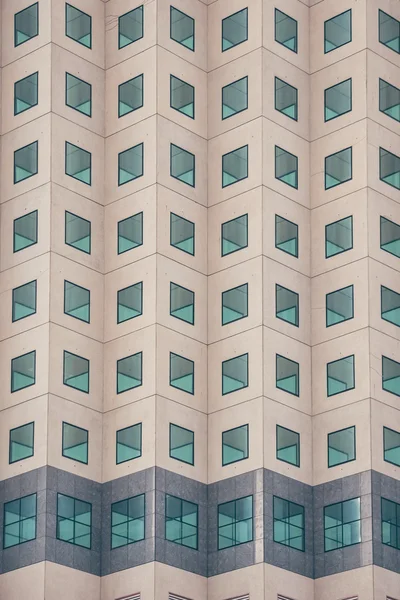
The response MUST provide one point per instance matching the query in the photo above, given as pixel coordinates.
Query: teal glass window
(235, 522)
(130, 96)
(182, 28)
(181, 521)
(389, 168)
(337, 31)
(181, 303)
(74, 521)
(389, 31)
(182, 233)
(338, 237)
(182, 96)
(76, 372)
(181, 444)
(340, 306)
(129, 443)
(286, 236)
(78, 163)
(390, 514)
(340, 375)
(288, 445)
(76, 301)
(181, 373)
(234, 98)
(78, 232)
(127, 521)
(338, 168)
(286, 167)
(289, 526)
(390, 306)
(23, 371)
(235, 166)
(130, 302)
(24, 301)
(78, 94)
(390, 375)
(20, 521)
(341, 446)
(25, 162)
(130, 27)
(235, 304)
(342, 524)
(338, 100)
(235, 374)
(389, 100)
(390, 236)
(182, 165)
(130, 233)
(130, 164)
(391, 446)
(234, 29)
(75, 443)
(25, 231)
(287, 375)
(78, 25)
(129, 372)
(26, 93)
(26, 24)
(287, 305)
(21, 442)
(234, 235)
(285, 30)
(235, 445)
(286, 99)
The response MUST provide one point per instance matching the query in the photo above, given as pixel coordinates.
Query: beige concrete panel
(352, 136)
(130, 581)
(390, 7)
(247, 413)
(382, 416)
(291, 585)
(39, 61)
(385, 582)
(381, 275)
(378, 206)
(59, 411)
(382, 345)
(356, 343)
(16, 416)
(356, 583)
(169, 579)
(378, 68)
(24, 583)
(249, 580)
(64, 583)
(380, 137)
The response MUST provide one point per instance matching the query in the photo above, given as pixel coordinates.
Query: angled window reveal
(182, 165)
(341, 446)
(286, 236)
(235, 445)
(182, 28)
(285, 30)
(25, 162)
(289, 524)
(25, 231)
(26, 24)
(286, 167)
(76, 301)
(181, 521)
(24, 301)
(286, 99)
(78, 94)
(389, 31)
(181, 373)
(287, 375)
(235, 522)
(235, 166)
(182, 233)
(75, 443)
(235, 374)
(389, 168)
(130, 233)
(389, 100)
(338, 168)
(286, 305)
(77, 232)
(390, 237)
(340, 306)
(235, 304)
(130, 302)
(390, 375)
(391, 446)
(21, 442)
(340, 375)
(128, 443)
(127, 521)
(181, 444)
(76, 372)
(342, 524)
(288, 445)
(130, 164)
(181, 303)
(338, 237)
(130, 27)
(130, 96)
(23, 371)
(129, 372)
(78, 163)
(234, 98)
(338, 100)
(234, 29)
(78, 25)
(234, 235)
(182, 96)
(26, 93)
(74, 521)
(337, 31)
(390, 306)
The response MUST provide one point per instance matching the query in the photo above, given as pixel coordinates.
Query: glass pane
(75, 443)
(19, 521)
(76, 372)
(181, 444)
(181, 373)
(181, 523)
(130, 233)
(234, 29)
(129, 302)
(338, 168)
(234, 166)
(391, 376)
(338, 237)
(78, 94)
(24, 301)
(129, 443)
(25, 93)
(338, 100)
(341, 446)
(234, 235)
(76, 301)
(26, 24)
(287, 375)
(181, 303)
(288, 523)
(235, 444)
(287, 446)
(340, 306)
(234, 304)
(389, 100)
(389, 168)
(389, 31)
(25, 231)
(77, 232)
(182, 165)
(234, 98)
(286, 167)
(130, 96)
(285, 30)
(337, 31)
(78, 163)
(182, 234)
(130, 164)
(127, 521)
(25, 162)
(182, 28)
(21, 442)
(129, 372)
(78, 25)
(390, 237)
(391, 446)
(285, 98)
(130, 27)
(390, 306)
(74, 521)
(286, 236)
(182, 96)
(340, 375)
(235, 374)
(287, 305)
(23, 371)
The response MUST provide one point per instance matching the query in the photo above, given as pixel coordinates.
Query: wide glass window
(76, 372)
(286, 236)
(391, 375)
(78, 163)
(130, 164)
(74, 521)
(130, 27)
(340, 306)
(235, 445)
(130, 302)
(287, 375)
(182, 233)
(391, 446)
(390, 237)
(129, 443)
(342, 524)
(78, 94)
(21, 442)
(23, 371)
(389, 100)
(182, 165)
(181, 373)
(235, 374)
(182, 28)
(77, 232)
(130, 233)
(24, 301)
(288, 445)
(285, 30)
(340, 375)
(390, 523)
(235, 522)
(289, 527)
(390, 306)
(127, 521)
(235, 304)
(235, 166)
(286, 99)
(338, 100)
(341, 446)
(76, 301)
(26, 24)
(75, 443)
(234, 98)
(389, 31)
(389, 168)
(26, 93)
(338, 168)
(337, 31)
(25, 231)
(338, 237)
(78, 26)
(181, 444)
(234, 29)
(25, 162)
(181, 521)
(182, 96)
(19, 521)
(286, 167)
(181, 303)
(129, 372)
(130, 95)
(287, 305)
(234, 235)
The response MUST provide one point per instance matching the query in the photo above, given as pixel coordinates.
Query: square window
(23, 371)
(78, 163)
(181, 522)
(19, 521)
(129, 372)
(78, 26)
(78, 94)
(21, 442)
(390, 236)
(127, 521)
(342, 524)
(389, 168)
(234, 29)
(285, 30)
(182, 233)
(181, 303)
(130, 302)
(74, 521)
(26, 93)
(235, 304)
(130, 164)
(181, 444)
(181, 373)
(234, 98)
(235, 522)
(391, 376)
(235, 445)
(76, 372)
(182, 96)
(285, 98)
(130, 233)
(75, 443)
(182, 165)
(25, 162)
(182, 28)
(235, 374)
(130, 96)
(286, 236)
(341, 446)
(76, 301)
(234, 235)
(24, 301)
(287, 375)
(235, 166)
(338, 100)
(338, 237)
(26, 24)
(337, 31)
(389, 100)
(340, 306)
(25, 231)
(286, 167)
(338, 168)
(390, 306)
(129, 443)
(391, 446)
(340, 375)
(288, 445)
(390, 514)
(287, 305)
(77, 232)
(130, 27)
(289, 525)
(389, 31)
